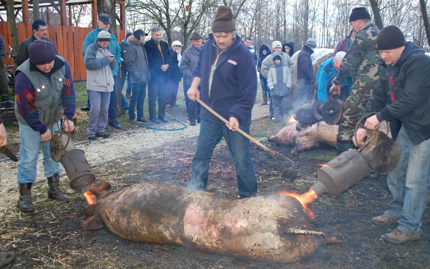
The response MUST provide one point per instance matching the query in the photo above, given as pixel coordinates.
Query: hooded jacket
(291, 45)
(136, 61)
(279, 79)
(407, 100)
(261, 56)
(305, 69)
(234, 81)
(99, 68)
(268, 62)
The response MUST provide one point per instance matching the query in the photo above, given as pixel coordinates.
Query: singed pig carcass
(306, 137)
(257, 227)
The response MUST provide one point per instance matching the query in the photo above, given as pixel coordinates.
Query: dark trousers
(113, 102)
(157, 91)
(172, 92)
(4, 86)
(193, 108)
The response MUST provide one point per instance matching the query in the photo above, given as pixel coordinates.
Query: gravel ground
(104, 150)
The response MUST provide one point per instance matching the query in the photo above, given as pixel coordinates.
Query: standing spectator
(279, 82)
(4, 86)
(44, 88)
(345, 43)
(40, 32)
(305, 71)
(263, 52)
(401, 96)
(159, 62)
(228, 80)
(99, 62)
(248, 44)
(103, 23)
(175, 74)
(288, 48)
(136, 61)
(362, 63)
(188, 63)
(124, 74)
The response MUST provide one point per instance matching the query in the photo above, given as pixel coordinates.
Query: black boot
(6, 257)
(24, 203)
(264, 101)
(54, 191)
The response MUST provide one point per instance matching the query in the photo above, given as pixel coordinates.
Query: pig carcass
(306, 137)
(258, 227)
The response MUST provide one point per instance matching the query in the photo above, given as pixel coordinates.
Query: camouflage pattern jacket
(362, 58)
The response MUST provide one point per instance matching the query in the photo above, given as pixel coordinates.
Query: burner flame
(304, 199)
(90, 197)
(291, 120)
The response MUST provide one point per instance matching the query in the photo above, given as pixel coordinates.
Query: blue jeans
(193, 108)
(304, 92)
(409, 183)
(136, 100)
(98, 117)
(113, 102)
(29, 152)
(267, 92)
(157, 91)
(210, 135)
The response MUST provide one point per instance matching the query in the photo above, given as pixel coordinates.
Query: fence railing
(67, 39)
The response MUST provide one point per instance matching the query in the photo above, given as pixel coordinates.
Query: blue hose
(161, 129)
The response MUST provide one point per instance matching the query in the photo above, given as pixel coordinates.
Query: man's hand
(335, 89)
(164, 67)
(111, 57)
(193, 92)
(3, 135)
(233, 122)
(361, 135)
(371, 122)
(46, 136)
(68, 126)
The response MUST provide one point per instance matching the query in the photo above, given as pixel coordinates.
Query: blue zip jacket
(326, 72)
(234, 83)
(113, 46)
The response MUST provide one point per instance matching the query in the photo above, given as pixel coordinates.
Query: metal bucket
(341, 173)
(332, 111)
(78, 170)
(310, 113)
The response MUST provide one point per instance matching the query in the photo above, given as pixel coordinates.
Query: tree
(423, 6)
(376, 13)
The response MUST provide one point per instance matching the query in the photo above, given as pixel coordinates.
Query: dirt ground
(52, 237)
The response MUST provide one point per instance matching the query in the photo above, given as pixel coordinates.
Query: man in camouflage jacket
(362, 62)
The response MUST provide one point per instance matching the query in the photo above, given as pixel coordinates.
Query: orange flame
(90, 197)
(304, 199)
(291, 120)
(326, 165)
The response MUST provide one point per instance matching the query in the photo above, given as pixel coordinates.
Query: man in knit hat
(305, 72)
(226, 73)
(44, 88)
(401, 97)
(362, 63)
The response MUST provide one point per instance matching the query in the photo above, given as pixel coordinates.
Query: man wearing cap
(327, 71)
(362, 63)
(136, 61)
(159, 62)
(103, 23)
(40, 32)
(175, 74)
(305, 72)
(44, 88)
(99, 62)
(187, 65)
(226, 73)
(401, 96)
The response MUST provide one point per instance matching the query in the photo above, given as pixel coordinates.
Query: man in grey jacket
(136, 62)
(99, 62)
(188, 62)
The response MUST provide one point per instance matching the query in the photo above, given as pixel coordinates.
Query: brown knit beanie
(223, 22)
(390, 38)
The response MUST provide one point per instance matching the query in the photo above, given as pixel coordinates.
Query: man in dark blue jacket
(159, 61)
(305, 72)
(402, 97)
(226, 73)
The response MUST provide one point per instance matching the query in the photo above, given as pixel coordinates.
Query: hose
(162, 129)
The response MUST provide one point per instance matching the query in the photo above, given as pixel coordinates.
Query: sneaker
(92, 137)
(103, 135)
(399, 237)
(384, 219)
(85, 108)
(133, 122)
(273, 118)
(192, 123)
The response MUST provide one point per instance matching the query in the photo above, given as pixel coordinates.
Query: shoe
(143, 121)
(115, 125)
(6, 257)
(163, 119)
(85, 108)
(192, 123)
(54, 191)
(154, 120)
(125, 109)
(399, 237)
(198, 120)
(128, 95)
(373, 175)
(103, 135)
(174, 105)
(25, 203)
(264, 104)
(384, 219)
(133, 122)
(92, 137)
(273, 118)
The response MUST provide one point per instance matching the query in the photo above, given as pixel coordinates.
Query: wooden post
(47, 16)
(94, 12)
(25, 17)
(63, 12)
(70, 15)
(122, 14)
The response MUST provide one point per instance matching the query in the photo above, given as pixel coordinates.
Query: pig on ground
(257, 227)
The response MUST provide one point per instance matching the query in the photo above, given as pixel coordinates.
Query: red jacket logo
(232, 62)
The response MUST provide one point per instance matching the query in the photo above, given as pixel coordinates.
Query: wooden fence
(68, 41)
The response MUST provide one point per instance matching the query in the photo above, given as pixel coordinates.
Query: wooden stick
(250, 138)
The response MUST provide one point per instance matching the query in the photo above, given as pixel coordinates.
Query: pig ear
(93, 223)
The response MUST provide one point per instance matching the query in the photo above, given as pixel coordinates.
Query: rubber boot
(6, 257)
(54, 191)
(264, 101)
(24, 203)
(343, 146)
